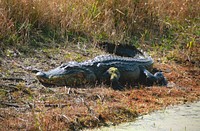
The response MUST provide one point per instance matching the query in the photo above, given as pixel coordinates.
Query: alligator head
(67, 74)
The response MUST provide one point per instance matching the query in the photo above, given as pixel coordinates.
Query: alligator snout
(41, 76)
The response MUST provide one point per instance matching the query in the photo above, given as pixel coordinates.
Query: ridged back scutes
(102, 58)
(114, 58)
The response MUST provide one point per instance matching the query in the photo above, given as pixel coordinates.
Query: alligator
(110, 69)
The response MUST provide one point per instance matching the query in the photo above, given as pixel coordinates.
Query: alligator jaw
(41, 76)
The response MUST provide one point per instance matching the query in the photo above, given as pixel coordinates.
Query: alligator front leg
(157, 78)
(113, 75)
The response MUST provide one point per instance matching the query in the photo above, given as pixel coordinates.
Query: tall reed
(117, 20)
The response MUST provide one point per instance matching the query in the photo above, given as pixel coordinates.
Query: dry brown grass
(96, 19)
(6, 25)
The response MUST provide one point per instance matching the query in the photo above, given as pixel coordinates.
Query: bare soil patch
(27, 105)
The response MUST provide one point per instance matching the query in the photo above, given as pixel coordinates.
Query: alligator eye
(67, 67)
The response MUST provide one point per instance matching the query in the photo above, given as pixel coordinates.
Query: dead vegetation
(34, 22)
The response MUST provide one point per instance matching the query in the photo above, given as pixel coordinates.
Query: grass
(25, 21)
(164, 25)
(45, 33)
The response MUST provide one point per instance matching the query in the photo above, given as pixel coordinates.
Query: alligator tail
(123, 50)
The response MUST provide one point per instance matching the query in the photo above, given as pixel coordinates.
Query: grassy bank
(45, 33)
(27, 105)
(163, 25)
(30, 22)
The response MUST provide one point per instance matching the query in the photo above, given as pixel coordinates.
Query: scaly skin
(105, 68)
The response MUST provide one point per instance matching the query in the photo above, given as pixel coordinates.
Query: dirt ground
(27, 105)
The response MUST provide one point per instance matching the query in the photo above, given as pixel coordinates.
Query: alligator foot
(117, 86)
(157, 78)
(160, 79)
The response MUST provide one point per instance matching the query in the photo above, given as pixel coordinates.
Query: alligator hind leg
(113, 75)
(157, 78)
